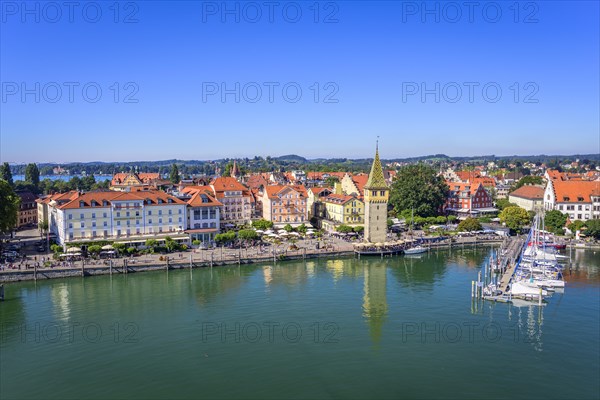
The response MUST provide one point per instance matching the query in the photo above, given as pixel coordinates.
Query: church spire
(376, 178)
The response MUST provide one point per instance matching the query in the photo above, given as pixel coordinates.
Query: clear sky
(207, 80)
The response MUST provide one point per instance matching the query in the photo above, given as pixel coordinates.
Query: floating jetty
(521, 270)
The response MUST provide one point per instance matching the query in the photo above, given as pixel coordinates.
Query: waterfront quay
(329, 247)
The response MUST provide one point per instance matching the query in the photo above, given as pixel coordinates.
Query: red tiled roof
(151, 198)
(317, 190)
(339, 198)
(273, 191)
(226, 183)
(529, 192)
(360, 180)
(575, 191)
(144, 177)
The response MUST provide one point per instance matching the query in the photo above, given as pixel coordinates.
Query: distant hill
(291, 158)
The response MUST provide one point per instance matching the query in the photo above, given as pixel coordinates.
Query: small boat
(415, 250)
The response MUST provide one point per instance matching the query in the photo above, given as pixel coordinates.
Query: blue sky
(371, 63)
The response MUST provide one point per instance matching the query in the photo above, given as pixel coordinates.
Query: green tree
(170, 244)
(501, 204)
(593, 228)
(151, 243)
(56, 248)
(32, 174)
(528, 180)
(576, 226)
(330, 181)
(9, 207)
(247, 234)
(43, 226)
(469, 225)
(288, 228)
(343, 228)
(94, 249)
(6, 174)
(359, 228)
(262, 224)
(120, 247)
(302, 228)
(555, 221)
(514, 217)
(174, 175)
(418, 187)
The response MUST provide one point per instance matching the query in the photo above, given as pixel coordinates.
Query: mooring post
(35, 272)
(82, 267)
(540, 298)
(190, 260)
(110, 267)
(167, 263)
(124, 266)
(211, 259)
(472, 289)
(1, 292)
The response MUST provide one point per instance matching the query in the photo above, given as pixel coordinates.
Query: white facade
(116, 220)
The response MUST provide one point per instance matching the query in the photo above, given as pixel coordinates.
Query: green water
(370, 328)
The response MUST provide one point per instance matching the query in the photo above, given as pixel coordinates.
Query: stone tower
(376, 201)
(235, 172)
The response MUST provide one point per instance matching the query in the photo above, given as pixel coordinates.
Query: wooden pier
(508, 260)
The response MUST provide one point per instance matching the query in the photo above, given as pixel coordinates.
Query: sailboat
(418, 249)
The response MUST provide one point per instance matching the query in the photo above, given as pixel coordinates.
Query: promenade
(32, 267)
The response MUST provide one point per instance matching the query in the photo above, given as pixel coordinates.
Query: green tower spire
(376, 179)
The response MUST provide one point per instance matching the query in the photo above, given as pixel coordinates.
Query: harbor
(529, 269)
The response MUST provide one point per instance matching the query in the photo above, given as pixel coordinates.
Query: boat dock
(508, 262)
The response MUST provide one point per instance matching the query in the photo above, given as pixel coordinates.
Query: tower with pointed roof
(376, 195)
(235, 172)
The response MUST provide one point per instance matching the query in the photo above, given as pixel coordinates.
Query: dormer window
(104, 203)
(580, 199)
(169, 200)
(81, 204)
(566, 198)
(160, 201)
(93, 203)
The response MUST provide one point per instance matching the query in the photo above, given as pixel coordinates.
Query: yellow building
(342, 209)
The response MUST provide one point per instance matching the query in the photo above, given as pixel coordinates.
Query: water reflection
(419, 270)
(375, 306)
(59, 295)
(530, 320)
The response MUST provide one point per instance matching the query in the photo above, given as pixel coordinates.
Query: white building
(528, 197)
(578, 198)
(204, 213)
(130, 217)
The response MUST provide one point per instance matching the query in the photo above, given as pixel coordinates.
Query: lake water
(325, 328)
(63, 177)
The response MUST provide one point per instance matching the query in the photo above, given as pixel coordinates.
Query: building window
(103, 215)
(83, 224)
(93, 215)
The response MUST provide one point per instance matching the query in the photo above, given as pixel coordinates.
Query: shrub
(469, 225)
(262, 224)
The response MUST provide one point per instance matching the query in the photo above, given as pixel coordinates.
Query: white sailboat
(414, 249)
